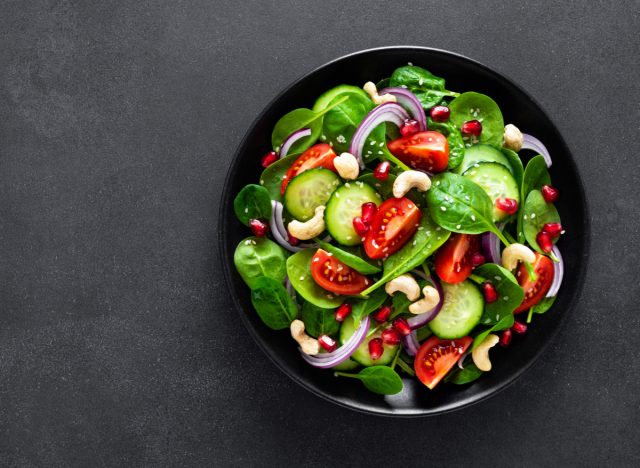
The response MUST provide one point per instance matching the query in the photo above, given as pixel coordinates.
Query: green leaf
(299, 272)
(476, 106)
(255, 257)
(516, 165)
(544, 305)
(318, 321)
(510, 294)
(253, 202)
(504, 323)
(273, 303)
(271, 177)
(384, 188)
(364, 307)
(535, 176)
(454, 138)
(428, 88)
(378, 379)
(349, 259)
(536, 213)
(464, 376)
(427, 239)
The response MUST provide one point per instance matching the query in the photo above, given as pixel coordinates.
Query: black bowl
(461, 74)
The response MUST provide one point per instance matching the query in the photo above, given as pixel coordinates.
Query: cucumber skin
(361, 354)
(469, 291)
(481, 153)
(338, 231)
(291, 202)
(510, 184)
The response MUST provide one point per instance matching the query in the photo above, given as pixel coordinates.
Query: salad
(397, 230)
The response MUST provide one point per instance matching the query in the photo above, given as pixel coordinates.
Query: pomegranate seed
(490, 293)
(472, 127)
(343, 312)
(505, 338)
(553, 229)
(402, 326)
(508, 205)
(292, 239)
(477, 259)
(383, 314)
(381, 172)
(409, 127)
(258, 227)
(549, 193)
(440, 113)
(360, 226)
(268, 159)
(519, 328)
(375, 348)
(544, 241)
(369, 210)
(390, 336)
(327, 343)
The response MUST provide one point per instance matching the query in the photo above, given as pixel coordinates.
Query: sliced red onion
(491, 247)
(387, 112)
(411, 343)
(421, 320)
(328, 360)
(279, 231)
(558, 273)
(532, 143)
(409, 101)
(462, 358)
(291, 139)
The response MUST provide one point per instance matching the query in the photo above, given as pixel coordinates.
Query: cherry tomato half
(428, 151)
(320, 155)
(333, 275)
(454, 260)
(436, 357)
(393, 225)
(534, 291)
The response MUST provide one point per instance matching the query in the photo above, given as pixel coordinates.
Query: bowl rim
(482, 396)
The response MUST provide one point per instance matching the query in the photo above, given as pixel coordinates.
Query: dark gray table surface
(118, 341)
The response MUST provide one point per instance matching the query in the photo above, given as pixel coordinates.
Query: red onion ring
(328, 360)
(411, 343)
(558, 273)
(532, 143)
(387, 112)
(462, 358)
(421, 320)
(410, 102)
(291, 139)
(491, 247)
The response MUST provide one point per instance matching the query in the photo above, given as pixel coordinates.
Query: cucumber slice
(361, 354)
(349, 364)
(497, 181)
(344, 205)
(461, 311)
(309, 190)
(481, 153)
(325, 99)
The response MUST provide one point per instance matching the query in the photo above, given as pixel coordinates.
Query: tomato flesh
(427, 151)
(395, 222)
(320, 155)
(535, 291)
(331, 274)
(436, 357)
(454, 260)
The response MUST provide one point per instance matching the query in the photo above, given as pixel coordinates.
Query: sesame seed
(247, 242)
(337, 195)
(466, 197)
(533, 215)
(302, 278)
(473, 217)
(316, 259)
(246, 210)
(261, 181)
(381, 144)
(372, 143)
(458, 226)
(443, 208)
(380, 152)
(497, 317)
(437, 182)
(506, 298)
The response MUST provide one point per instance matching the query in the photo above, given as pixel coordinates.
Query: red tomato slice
(534, 291)
(436, 357)
(453, 260)
(393, 225)
(333, 275)
(320, 155)
(428, 151)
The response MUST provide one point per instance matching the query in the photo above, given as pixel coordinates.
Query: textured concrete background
(118, 345)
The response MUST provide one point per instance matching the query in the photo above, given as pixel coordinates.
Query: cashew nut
(405, 284)
(372, 91)
(309, 229)
(512, 254)
(480, 355)
(347, 166)
(408, 180)
(428, 302)
(307, 344)
(513, 138)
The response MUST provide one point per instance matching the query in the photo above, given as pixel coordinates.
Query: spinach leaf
(427, 239)
(271, 177)
(273, 303)
(464, 376)
(535, 176)
(299, 271)
(384, 188)
(349, 259)
(296, 120)
(476, 106)
(400, 302)
(318, 321)
(252, 202)
(510, 294)
(544, 305)
(536, 213)
(423, 333)
(516, 165)
(256, 257)
(504, 323)
(460, 205)
(454, 138)
(428, 88)
(378, 379)
(364, 307)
